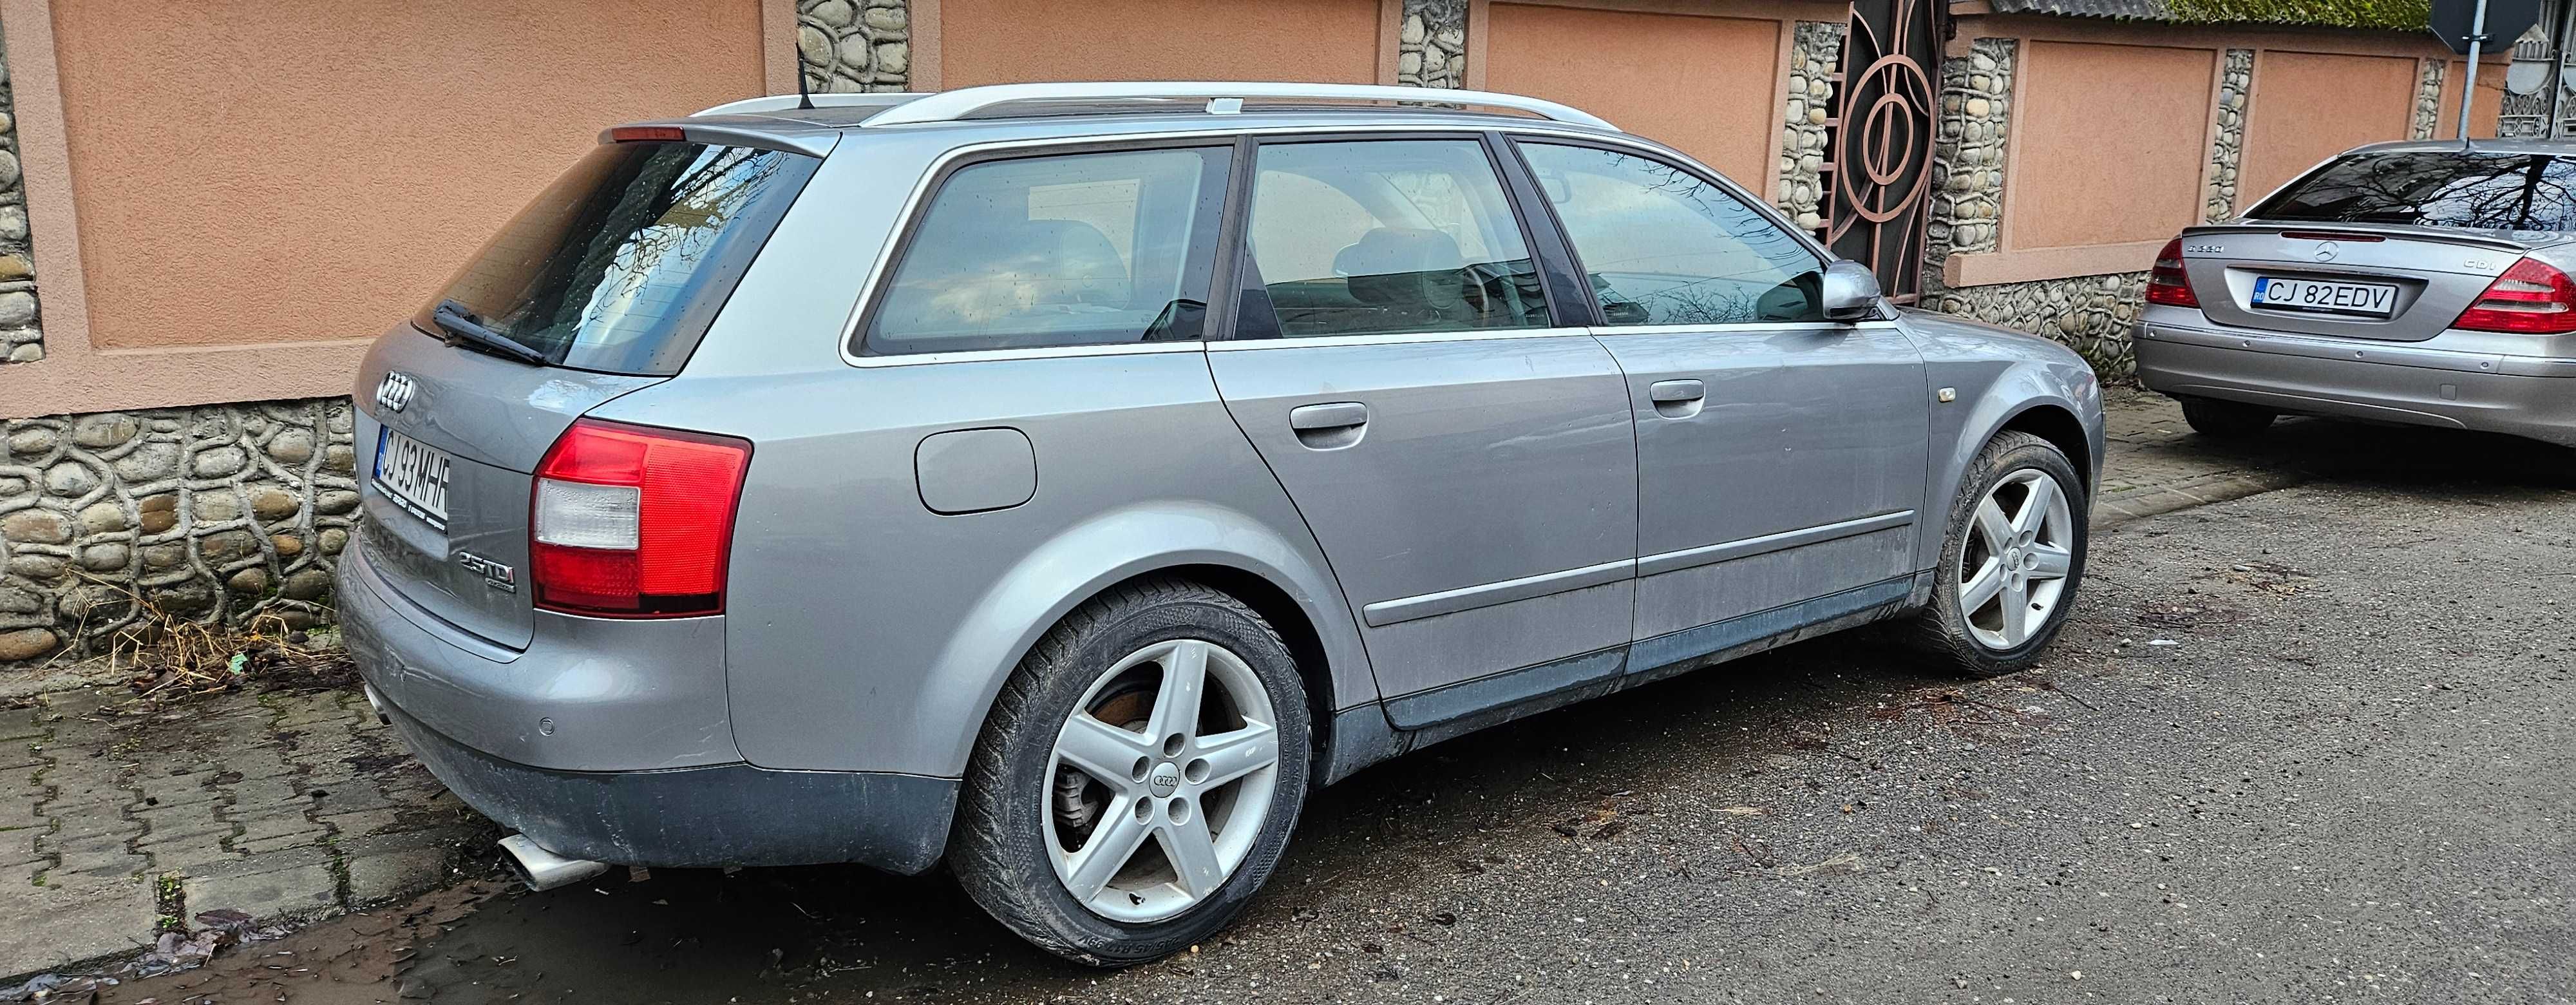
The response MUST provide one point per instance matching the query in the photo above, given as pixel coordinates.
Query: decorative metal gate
(1882, 133)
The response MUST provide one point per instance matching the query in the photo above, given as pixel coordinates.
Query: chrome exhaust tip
(376, 704)
(545, 870)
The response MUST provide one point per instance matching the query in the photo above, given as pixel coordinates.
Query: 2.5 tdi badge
(495, 575)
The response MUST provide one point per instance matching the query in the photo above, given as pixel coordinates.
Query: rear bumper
(723, 815)
(2407, 383)
(609, 741)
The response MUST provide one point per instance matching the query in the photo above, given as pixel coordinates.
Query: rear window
(1086, 249)
(619, 266)
(2477, 191)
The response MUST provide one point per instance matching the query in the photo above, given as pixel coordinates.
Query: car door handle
(1677, 399)
(1329, 426)
(1336, 415)
(1669, 391)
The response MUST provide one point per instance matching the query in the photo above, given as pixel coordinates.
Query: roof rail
(1223, 98)
(791, 102)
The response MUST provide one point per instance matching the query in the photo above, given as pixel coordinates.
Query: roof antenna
(804, 99)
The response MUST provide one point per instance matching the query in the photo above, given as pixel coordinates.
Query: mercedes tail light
(2530, 298)
(633, 521)
(2166, 283)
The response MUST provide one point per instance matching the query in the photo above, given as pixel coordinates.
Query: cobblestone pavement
(2156, 464)
(118, 817)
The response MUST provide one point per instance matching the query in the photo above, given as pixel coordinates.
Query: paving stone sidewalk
(117, 818)
(2156, 464)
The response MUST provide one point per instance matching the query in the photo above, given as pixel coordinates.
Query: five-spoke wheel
(1162, 778)
(1138, 776)
(2012, 558)
(2019, 553)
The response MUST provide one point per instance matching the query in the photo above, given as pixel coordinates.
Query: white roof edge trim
(790, 102)
(951, 106)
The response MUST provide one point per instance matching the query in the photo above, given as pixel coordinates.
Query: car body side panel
(869, 632)
(1488, 498)
(833, 551)
(1996, 374)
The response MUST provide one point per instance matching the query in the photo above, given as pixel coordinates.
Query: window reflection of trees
(663, 223)
(1779, 266)
(2478, 191)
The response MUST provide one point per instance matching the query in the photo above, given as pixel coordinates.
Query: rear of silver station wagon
(538, 593)
(2418, 283)
(1067, 491)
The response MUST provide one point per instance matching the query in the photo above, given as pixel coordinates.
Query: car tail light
(2166, 283)
(631, 521)
(2531, 298)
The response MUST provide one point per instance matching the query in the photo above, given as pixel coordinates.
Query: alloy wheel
(2012, 571)
(1161, 780)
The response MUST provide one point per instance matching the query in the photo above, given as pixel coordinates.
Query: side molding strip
(1672, 561)
(1648, 655)
(1467, 598)
(1505, 690)
(1376, 731)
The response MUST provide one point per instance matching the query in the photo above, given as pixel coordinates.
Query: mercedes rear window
(620, 265)
(2447, 188)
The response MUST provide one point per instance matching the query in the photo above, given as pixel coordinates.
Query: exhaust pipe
(545, 870)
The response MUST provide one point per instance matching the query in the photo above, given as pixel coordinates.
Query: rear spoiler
(2444, 235)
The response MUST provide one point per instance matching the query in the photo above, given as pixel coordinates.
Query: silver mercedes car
(1064, 481)
(2423, 283)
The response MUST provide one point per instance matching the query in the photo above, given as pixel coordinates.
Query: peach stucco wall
(269, 170)
(2310, 106)
(1005, 41)
(2110, 143)
(1709, 86)
(2483, 111)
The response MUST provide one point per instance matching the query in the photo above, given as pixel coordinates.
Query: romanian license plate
(414, 476)
(2377, 300)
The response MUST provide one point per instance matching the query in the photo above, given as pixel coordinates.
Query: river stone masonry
(220, 514)
(2090, 314)
(1431, 47)
(2428, 97)
(854, 45)
(1815, 51)
(22, 339)
(2227, 142)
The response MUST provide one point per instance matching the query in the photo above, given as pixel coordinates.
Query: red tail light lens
(632, 521)
(2530, 298)
(2166, 283)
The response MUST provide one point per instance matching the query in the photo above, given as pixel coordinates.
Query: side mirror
(1850, 291)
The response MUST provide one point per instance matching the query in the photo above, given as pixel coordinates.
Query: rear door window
(620, 265)
(2434, 188)
(1664, 247)
(1385, 236)
(1089, 249)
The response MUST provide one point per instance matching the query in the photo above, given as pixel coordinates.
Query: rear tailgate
(603, 284)
(486, 421)
(2394, 283)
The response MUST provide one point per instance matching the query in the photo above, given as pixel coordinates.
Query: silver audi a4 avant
(1063, 481)
(2424, 283)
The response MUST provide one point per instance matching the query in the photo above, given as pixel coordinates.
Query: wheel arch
(2055, 400)
(1288, 585)
(2058, 425)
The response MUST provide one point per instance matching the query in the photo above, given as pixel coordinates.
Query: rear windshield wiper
(458, 322)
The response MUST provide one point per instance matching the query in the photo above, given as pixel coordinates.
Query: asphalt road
(2315, 745)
